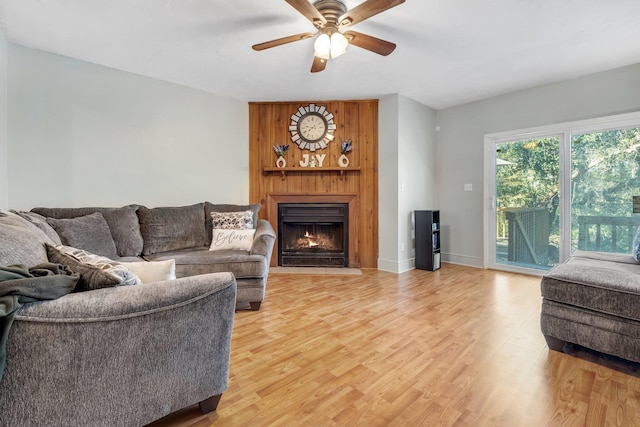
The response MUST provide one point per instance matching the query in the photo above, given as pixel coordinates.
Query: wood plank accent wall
(356, 121)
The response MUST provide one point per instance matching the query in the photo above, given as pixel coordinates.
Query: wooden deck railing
(607, 233)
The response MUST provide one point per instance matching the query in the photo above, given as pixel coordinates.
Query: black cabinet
(427, 227)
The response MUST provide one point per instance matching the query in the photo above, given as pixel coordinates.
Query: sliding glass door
(556, 189)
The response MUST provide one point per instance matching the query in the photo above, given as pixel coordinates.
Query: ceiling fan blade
(366, 10)
(281, 41)
(379, 46)
(309, 11)
(318, 64)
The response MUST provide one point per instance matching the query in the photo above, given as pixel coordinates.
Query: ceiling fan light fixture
(322, 46)
(339, 44)
(330, 44)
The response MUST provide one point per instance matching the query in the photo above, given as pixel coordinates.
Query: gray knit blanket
(20, 285)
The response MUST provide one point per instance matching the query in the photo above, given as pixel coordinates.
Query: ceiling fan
(329, 17)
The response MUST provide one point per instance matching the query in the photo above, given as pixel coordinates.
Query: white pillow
(153, 271)
(232, 239)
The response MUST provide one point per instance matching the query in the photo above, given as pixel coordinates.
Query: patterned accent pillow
(232, 220)
(109, 266)
(232, 239)
(635, 247)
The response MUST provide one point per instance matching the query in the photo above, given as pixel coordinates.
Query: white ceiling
(449, 51)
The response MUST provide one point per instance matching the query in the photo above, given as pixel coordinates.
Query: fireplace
(313, 234)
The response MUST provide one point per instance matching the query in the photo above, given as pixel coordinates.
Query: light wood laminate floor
(456, 347)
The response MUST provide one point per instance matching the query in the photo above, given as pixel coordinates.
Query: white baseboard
(396, 266)
(470, 261)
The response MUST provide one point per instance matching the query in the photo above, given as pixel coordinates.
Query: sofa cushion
(600, 285)
(95, 272)
(123, 224)
(153, 271)
(170, 228)
(21, 242)
(89, 232)
(210, 207)
(195, 261)
(40, 222)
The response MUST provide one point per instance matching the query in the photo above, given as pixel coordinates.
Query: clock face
(312, 127)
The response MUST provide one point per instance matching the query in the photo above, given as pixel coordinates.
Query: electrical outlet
(468, 187)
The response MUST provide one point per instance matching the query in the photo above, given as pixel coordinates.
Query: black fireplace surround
(313, 234)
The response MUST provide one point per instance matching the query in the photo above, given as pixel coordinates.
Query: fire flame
(309, 237)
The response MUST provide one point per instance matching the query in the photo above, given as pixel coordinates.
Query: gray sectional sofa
(115, 356)
(184, 233)
(593, 300)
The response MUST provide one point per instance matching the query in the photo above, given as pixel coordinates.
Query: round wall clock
(312, 127)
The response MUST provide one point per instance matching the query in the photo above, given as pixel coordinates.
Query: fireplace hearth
(313, 234)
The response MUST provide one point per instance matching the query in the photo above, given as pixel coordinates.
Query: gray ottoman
(593, 300)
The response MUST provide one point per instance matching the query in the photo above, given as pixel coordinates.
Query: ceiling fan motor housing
(332, 10)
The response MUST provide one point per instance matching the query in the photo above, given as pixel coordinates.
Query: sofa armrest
(126, 301)
(263, 240)
(122, 356)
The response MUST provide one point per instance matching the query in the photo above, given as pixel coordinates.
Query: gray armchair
(122, 356)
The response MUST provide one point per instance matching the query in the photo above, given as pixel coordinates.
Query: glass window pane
(527, 203)
(605, 174)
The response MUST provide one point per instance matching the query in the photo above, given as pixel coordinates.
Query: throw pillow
(89, 232)
(40, 222)
(122, 222)
(153, 271)
(21, 242)
(232, 220)
(232, 239)
(210, 207)
(635, 247)
(100, 273)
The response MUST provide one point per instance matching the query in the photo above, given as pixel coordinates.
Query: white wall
(416, 172)
(388, 238)
(4, 164)
(406, 175)
(82, 134)
(461, 137)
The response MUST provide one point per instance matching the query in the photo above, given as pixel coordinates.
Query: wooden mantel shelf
(283, 171)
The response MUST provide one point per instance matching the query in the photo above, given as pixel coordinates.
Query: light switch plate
(468, 187)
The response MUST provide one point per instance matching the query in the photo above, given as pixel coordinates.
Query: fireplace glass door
(312, 234)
